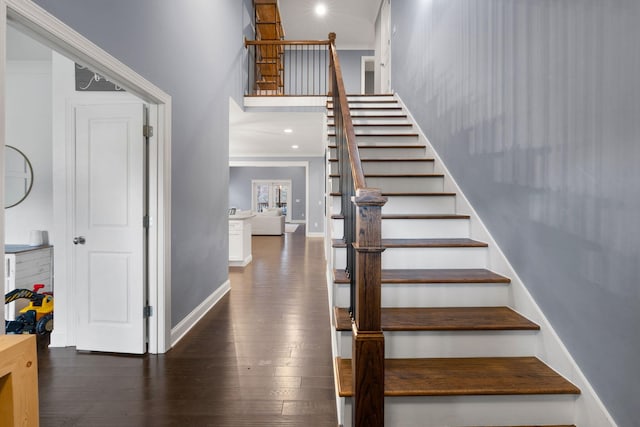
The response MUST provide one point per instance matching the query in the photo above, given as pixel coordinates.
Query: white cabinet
(24, 267)
(240, 240)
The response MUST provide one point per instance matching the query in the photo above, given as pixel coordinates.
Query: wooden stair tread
(370, 108)
(425, 216)
(414, 216)
(391, 124)
(395, 175)
(444, 319)
(393, 159)
(423, 243)
(463, 376)
(433, 243)
(539, 425)
(408, 194)
(371, 116)
(439, 275)
(361, 146)
(397, 134)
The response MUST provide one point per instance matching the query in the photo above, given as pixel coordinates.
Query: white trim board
(192, 319)
(41, 25)
(589, 410)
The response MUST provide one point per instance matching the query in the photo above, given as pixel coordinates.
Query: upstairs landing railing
(362, 210)
(287, 68)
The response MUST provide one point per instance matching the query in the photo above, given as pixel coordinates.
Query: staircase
(457, 353)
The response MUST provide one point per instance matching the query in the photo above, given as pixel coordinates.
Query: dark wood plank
(433, 243)
(412, 194)
(464, 376)
(233, 368)
(425, 216)
(444, 319)
(464, 275)
(380, 133)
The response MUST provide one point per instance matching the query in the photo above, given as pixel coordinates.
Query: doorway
(270, 194)
(367, 75)
(30, 19)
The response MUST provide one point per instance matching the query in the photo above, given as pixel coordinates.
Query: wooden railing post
(332, 42)
(368, 339)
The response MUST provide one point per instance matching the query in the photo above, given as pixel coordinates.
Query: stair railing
(362, 211)
(287, 67)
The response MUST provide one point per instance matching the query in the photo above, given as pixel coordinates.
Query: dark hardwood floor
(260, 357)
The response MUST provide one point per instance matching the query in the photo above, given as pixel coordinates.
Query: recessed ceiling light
(295, 147)
(287, 130)
(321, 9)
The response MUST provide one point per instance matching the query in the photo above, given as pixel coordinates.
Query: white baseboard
(315, 234)
(185, 325)
(298, 221)
(242, 263)
(58, 339)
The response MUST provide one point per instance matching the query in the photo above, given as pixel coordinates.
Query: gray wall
(534, 107)
(193, 50)
(351, 65)
(240, 188)
(315, 216)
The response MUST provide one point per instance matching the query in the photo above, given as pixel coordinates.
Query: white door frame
(254, 204)
(282, 164)
(363, 66)
(52, 32)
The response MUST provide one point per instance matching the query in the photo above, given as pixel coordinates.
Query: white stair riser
(391, 167)
(424, 258)
(418, 344)
(366, 106)
(339, 258)
(434, 295)
(434, 258)
(337, 231)
(373, 152)
(429, 184)
(407, 184)
(420, 205)
(358, 97)
(363, 138)
(397, 167)
(336, 207)
(425, 228)
(381, 129)
(364, 113)
(372, 120)
(449, 411)
(415, 228)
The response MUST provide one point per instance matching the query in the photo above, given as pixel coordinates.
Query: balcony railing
(287, 68)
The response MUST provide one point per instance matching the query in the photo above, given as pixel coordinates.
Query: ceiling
(258, 134)
(352, 21)
(262, 134)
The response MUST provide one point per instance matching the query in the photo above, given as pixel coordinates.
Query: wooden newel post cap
(332, 38)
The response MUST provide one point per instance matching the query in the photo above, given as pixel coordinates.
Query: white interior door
(109, 238)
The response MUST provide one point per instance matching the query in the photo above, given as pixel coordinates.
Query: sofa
(269, 222)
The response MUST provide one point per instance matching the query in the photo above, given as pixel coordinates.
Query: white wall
(28, 121)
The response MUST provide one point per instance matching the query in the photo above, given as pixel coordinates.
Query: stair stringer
(589, 411)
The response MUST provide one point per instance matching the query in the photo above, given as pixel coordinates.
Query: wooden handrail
(354, 156)
(248, 42)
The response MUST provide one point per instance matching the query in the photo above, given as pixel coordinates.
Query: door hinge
(146, 221)
(147, 131)
(147, 311)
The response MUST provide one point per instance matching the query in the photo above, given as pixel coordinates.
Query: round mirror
(18, 176)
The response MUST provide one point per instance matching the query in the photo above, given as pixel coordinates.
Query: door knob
(79, 240)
